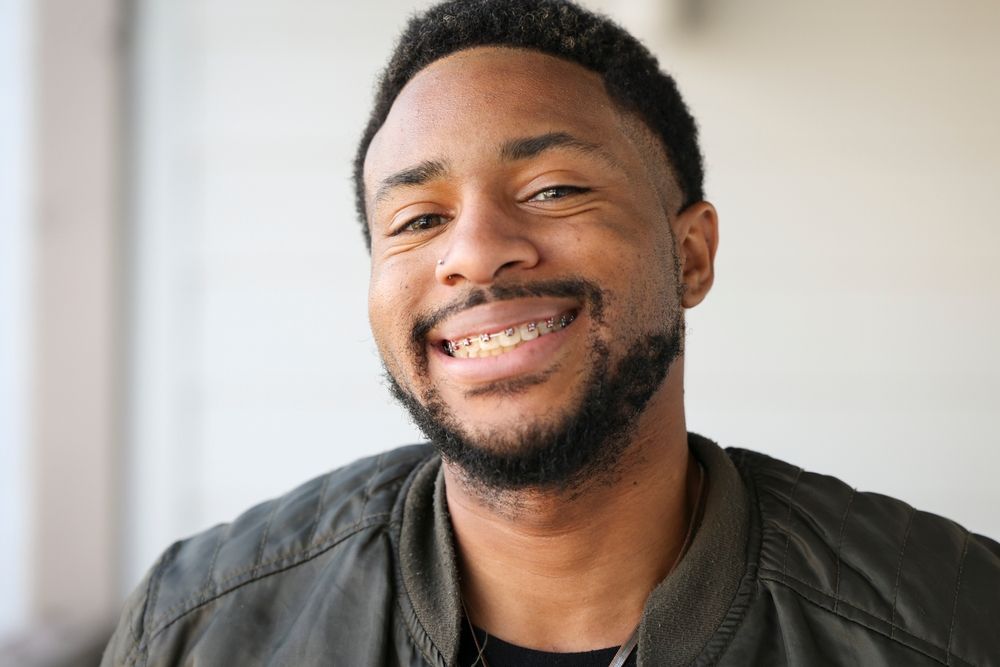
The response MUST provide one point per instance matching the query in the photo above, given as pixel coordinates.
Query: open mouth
(495, 343)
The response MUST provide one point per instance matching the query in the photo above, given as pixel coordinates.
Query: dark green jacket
(787, 568)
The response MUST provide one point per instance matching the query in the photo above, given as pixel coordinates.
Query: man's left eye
(556, 192)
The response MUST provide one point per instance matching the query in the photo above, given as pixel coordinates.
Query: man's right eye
(421, 223)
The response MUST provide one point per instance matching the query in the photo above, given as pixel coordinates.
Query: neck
(570, 572)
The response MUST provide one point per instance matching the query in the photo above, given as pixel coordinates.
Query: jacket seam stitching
(258, 561)
(958, 587)
(840, 547)
(149, 605)
(366, 493)
(195, 602)
(899, 570)
(215, 556)
(787, 531)
(895, 640)
(319, 509)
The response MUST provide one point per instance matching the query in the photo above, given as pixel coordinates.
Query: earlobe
(696, 231)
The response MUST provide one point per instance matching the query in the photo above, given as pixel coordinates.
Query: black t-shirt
(499, 653)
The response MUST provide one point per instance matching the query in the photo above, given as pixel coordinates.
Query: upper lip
(497, 316)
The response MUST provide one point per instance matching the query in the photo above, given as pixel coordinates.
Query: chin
(510, 437)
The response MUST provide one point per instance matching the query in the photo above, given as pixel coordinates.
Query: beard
(584, 444)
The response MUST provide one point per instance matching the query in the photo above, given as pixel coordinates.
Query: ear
(696, 231)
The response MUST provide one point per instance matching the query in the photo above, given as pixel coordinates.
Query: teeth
(510, 337)
(493, 344)
(489, 342)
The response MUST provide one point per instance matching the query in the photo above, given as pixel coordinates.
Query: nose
(483, 242)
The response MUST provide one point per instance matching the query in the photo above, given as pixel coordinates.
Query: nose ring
(440, 262)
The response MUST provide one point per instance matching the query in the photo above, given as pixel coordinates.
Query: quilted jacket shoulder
(907, 576)
(313, 518)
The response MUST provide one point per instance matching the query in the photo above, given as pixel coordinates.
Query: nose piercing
(440, 262)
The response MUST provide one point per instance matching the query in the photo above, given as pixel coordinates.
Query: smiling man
(530, 187)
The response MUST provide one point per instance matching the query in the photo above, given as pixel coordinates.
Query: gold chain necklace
(625, 650)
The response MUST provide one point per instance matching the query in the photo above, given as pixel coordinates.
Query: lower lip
(529, 357)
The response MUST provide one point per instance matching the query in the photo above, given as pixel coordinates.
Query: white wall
(854, 154)
(850, 150)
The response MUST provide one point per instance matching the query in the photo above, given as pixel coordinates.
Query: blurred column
(77, 341)
(15, 335)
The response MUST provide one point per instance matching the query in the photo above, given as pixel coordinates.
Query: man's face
(521, 249)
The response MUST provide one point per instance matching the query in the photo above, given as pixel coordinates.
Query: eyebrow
(528, 147)
(514, 150)
(426, 171)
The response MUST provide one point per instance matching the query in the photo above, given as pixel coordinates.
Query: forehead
(487, 95)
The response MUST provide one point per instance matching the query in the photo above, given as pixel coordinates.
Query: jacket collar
(683, 611)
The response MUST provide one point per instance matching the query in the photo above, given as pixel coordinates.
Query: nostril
(508, 265)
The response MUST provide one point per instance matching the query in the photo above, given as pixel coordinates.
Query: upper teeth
(491, 344)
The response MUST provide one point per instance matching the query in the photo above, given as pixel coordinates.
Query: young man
(531, 191)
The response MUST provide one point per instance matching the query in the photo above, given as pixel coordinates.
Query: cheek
(390, 338)
(392, 291)
(392, 304)
(616, 253)
(377, 310)
(634, 265)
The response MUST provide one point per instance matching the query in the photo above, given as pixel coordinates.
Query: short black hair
(631, 74)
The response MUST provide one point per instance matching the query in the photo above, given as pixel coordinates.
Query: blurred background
(183, 281)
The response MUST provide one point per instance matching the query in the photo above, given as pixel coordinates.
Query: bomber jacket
(787, 567)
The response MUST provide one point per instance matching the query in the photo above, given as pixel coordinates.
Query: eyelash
(409, 225)
(566, 190)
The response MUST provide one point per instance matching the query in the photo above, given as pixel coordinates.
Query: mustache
(577, 288)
